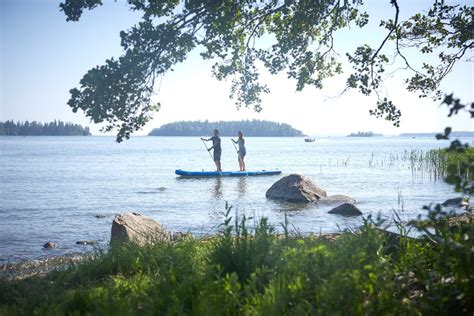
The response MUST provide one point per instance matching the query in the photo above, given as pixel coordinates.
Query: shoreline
(39, 267)
(43, 266)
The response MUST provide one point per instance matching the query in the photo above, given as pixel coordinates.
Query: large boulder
(138, 229)
(346, 209)
(295, 188)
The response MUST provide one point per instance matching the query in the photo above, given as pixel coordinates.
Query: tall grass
(436, 163)
(248, 269)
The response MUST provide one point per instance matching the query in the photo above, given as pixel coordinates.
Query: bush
(252, 270)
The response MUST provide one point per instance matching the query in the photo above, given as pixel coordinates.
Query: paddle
(208, 150)
(234, 146)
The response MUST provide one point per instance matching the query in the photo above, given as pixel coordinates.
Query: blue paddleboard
(184, 173)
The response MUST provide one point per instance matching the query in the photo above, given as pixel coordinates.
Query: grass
(437, 163)
(254, 271)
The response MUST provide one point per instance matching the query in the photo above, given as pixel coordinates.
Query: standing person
(216, 145)
(241, 153)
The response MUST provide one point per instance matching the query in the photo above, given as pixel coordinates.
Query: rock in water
(138, 229)
(346, 209)
(49, 245)
(455, 202)
(295, 188)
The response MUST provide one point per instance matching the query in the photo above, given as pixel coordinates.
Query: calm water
(51, 188)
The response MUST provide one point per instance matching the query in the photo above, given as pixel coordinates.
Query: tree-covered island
(227, 128)
(34, 128)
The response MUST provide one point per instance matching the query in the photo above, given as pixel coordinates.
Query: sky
(43, 57)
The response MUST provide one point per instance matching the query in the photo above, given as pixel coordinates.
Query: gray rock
(455, 202)
(338, 198)
(295, 188)
(346, 209)
(138, 229)
(99, 216)
(50, 245)
(175, 236)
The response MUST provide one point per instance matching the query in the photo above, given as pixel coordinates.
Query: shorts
(242, 154)
(217, 155)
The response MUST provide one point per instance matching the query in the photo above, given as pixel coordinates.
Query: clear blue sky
(43, 56)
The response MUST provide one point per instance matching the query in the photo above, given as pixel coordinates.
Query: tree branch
(395, 23)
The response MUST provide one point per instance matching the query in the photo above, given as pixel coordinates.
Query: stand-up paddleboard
(185, 173)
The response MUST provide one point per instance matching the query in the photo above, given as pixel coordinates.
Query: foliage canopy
(302, 35)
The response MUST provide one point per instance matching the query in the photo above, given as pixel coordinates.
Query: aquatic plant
(437, 163)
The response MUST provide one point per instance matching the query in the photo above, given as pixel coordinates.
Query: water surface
(51, 188)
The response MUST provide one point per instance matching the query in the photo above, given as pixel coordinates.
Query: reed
(438, 163)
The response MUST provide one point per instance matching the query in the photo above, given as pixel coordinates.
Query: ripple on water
(52, 188)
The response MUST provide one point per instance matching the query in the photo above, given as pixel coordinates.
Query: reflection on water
(217, 192)
(242, 186)
(292, 209)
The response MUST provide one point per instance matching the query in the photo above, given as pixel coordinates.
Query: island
(227, 128)
(55, 128)
(364, 134)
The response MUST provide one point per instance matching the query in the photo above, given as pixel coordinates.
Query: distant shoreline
(453, 134)
(404, 135)
(57, 135)
(34, 128)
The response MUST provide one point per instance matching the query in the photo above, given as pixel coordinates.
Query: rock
(50, 245)
(338, 198)
(295, 188)
(459, 219)
(346, 209)
(392, 237)
(139, 229)
(175, 236)
(456, 202)
(99, 216)
(86, 242)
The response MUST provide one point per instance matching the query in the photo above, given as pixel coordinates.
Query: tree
(56, 128)
(302, 33)
(229, 128)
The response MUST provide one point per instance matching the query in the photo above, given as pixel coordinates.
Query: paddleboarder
(216, 145)
(241, 152)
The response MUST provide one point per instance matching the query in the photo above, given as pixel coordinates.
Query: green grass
(255, 271)
(439, 163)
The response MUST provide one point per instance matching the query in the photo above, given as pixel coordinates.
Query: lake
(51, 188)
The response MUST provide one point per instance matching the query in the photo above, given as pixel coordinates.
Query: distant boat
(309, 140)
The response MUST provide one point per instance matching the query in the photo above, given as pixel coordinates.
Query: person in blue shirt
(241, 153)
(216, 145)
